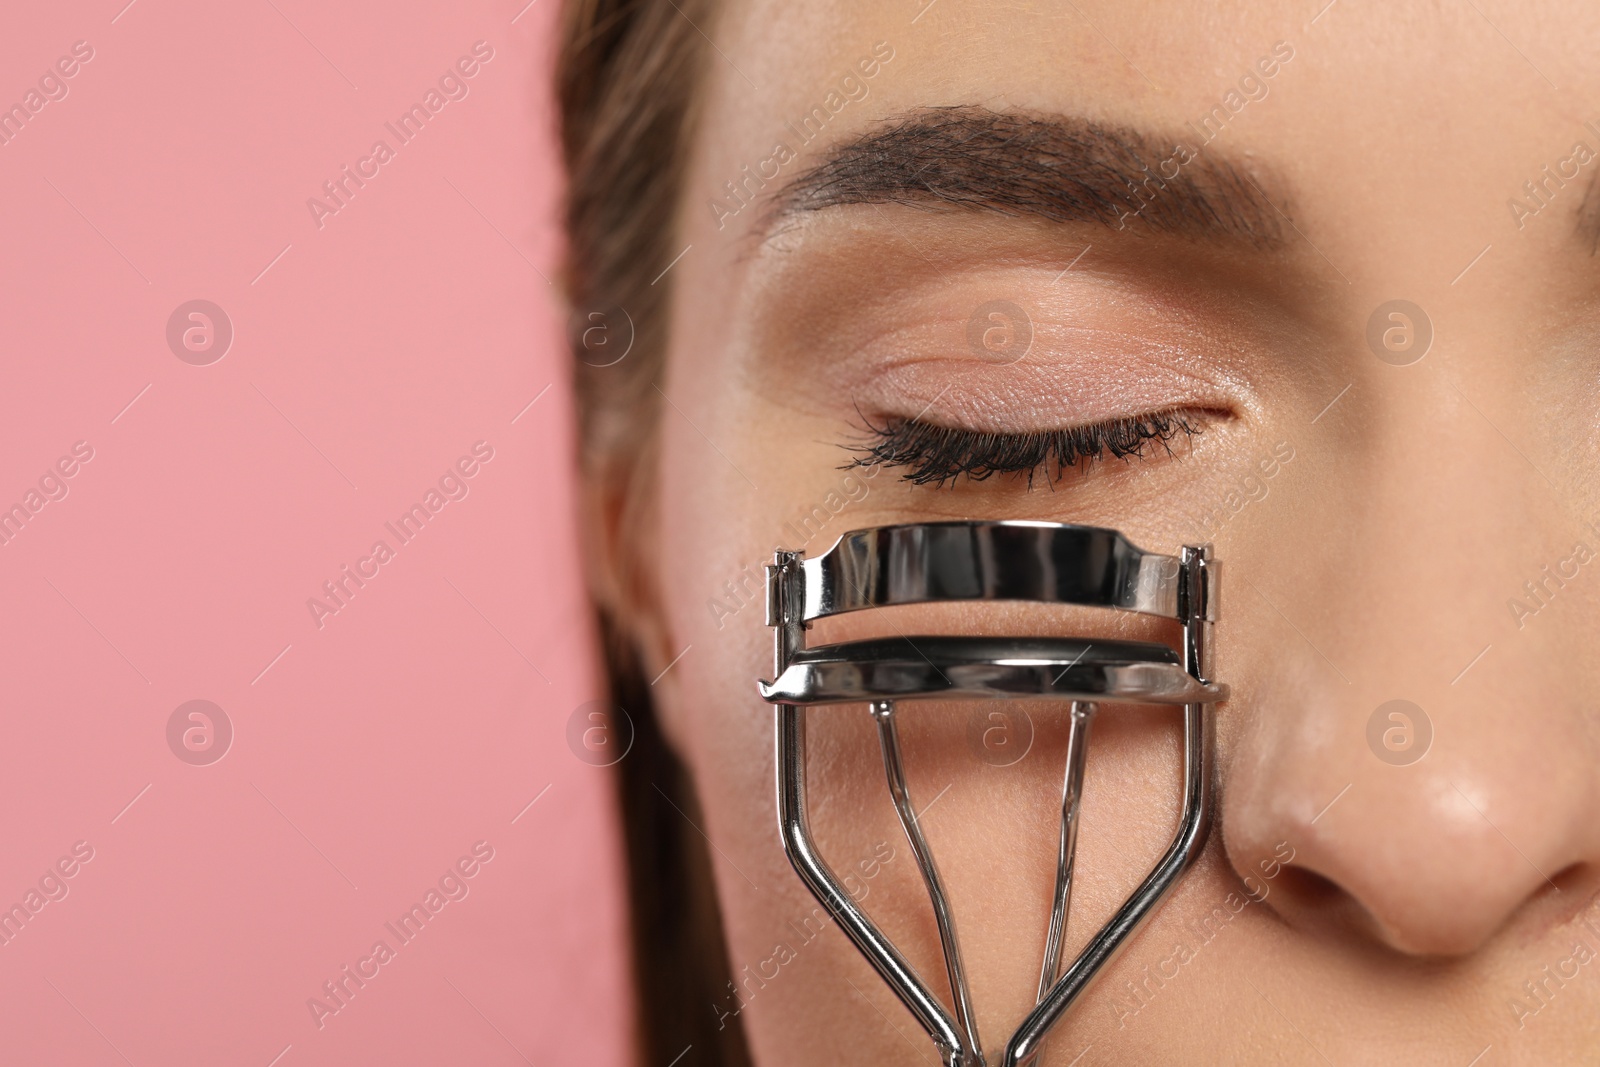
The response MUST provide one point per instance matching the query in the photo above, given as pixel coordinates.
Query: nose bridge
(1447, 512)
(1397, 763)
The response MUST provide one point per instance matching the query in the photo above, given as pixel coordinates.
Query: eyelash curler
(1028, 561)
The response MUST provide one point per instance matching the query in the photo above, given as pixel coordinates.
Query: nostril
(1306, 887)
(1318, 905)
(1573, 888)
(1311, 901)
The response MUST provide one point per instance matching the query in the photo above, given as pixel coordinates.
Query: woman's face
(1401, 495)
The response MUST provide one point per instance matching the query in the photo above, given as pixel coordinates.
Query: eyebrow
(1053, 167)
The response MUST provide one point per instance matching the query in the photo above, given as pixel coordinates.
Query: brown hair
(627, 80)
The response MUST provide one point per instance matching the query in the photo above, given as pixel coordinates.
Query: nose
(1411, 760)
(1430, 859)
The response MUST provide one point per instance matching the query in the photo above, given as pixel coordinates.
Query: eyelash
(930, 454)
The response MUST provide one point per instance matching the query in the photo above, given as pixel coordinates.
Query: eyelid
(936, 454)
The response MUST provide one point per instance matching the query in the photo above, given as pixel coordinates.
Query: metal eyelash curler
(1029, 561)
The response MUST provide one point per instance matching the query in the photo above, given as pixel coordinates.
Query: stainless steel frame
(1031, 561)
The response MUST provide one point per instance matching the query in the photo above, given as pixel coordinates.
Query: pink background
(369, 353)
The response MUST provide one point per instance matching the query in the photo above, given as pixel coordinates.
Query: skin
(1399, 908)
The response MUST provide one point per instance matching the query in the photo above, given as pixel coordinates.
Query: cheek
(711, 538)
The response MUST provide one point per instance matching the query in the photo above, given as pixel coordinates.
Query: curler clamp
(1028, 561)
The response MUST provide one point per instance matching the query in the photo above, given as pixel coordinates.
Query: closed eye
(928, 453)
